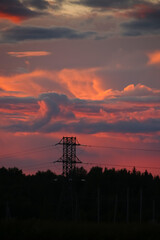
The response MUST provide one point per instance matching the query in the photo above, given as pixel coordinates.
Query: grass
(50, 230)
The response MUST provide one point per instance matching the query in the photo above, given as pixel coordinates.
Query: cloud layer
(148, 24)
(51, 112)
(133, 110)
(18, 33)
(29, 54)
(109, 3)
(154, 58)
(15, 10)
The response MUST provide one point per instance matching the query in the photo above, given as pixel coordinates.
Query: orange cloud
(83, 84)
(31, 84)
(154, 58)
(139, 90)
(15, 19)
(29, 54)
(75, 83)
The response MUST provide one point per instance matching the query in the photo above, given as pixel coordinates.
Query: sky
(83, 68)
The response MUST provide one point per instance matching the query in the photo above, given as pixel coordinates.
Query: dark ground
(47, 229)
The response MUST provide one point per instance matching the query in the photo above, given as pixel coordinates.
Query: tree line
(100, 195)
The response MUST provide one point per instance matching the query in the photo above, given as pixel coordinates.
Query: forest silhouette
(109, 195)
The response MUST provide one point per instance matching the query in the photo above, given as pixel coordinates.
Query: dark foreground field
(41, 229)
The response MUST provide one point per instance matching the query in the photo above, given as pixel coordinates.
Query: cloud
(85, 127)
(19, 33)
(141, 11)
(109, 3)
(139, 90)
(52, 112)
(143, 16)
(147, 22)
(15, 11)
(16, 100)
(29, 54)
(28, 114)
(38, 4)
(20, 10)
(75, 83)
(33, 84)
(154, 58)
(83, 84)
(76, 97)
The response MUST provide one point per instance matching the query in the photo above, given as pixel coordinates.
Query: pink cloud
(139, 90)
(84, 84)
(13, 18)
(74, 83)
(75, 95)
(154, 58)
(29, 54)
(139, 11)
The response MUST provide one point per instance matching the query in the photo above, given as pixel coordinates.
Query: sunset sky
(84, 68)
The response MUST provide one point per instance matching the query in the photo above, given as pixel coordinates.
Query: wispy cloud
(20, 10)
(145, 20)
(109, 3)
(29, 54)
(15, 11)
(51, 112)
(135, 109)
(21, 33)
(154, 58)
(75, 83)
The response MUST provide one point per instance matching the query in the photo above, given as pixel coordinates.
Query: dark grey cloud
(17, 105)
(117, 4)
(52, 110)
(84, 126)
(39, 4)
(20, 33)
(53, 101)
(61, 107)
(55, 97)
(137, 99)
(149, 24)
(19, 10)
(95, 107)
(43, 4)
(16, 8)
(144, 19)
(17, 100)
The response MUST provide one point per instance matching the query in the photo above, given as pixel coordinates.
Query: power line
(45, 147)
(119, 165)
(115, 165)
(121, 148)
(26, 152)
(34, 166)
(41, 165)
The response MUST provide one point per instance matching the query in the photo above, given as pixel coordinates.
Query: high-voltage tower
(69, 158)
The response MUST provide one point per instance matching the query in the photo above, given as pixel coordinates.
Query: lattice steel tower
(69, 158)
